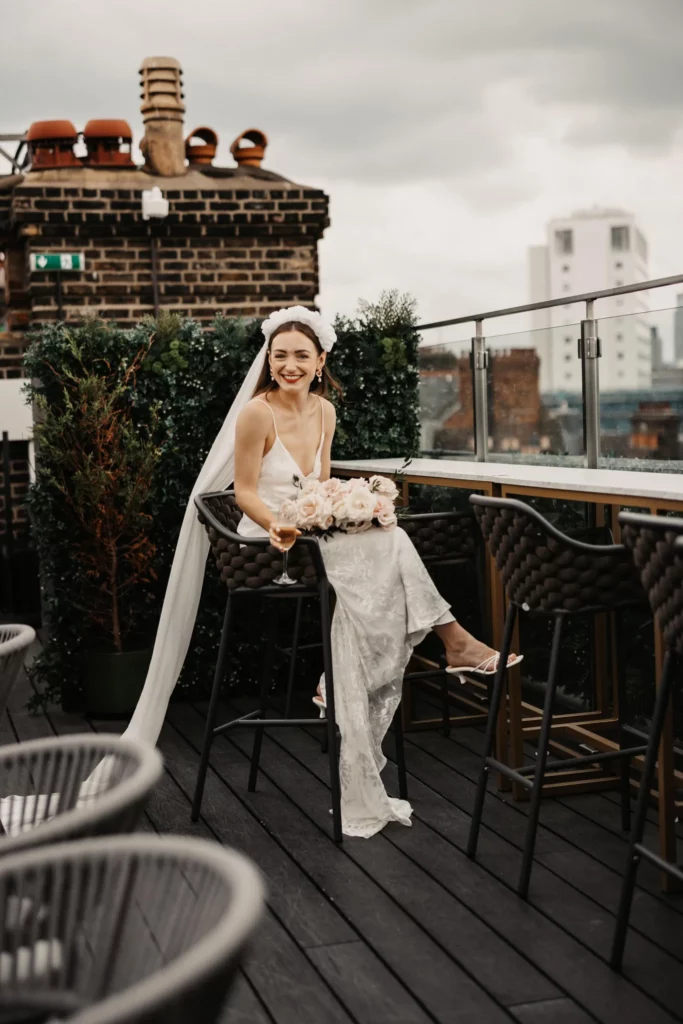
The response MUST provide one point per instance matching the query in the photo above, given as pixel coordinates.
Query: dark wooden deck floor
(403, 928)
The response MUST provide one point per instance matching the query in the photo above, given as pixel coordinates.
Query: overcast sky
(446, 132)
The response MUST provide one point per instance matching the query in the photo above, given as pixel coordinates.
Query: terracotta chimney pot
(250, 156)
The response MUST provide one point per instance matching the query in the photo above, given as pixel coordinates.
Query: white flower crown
(325, 332)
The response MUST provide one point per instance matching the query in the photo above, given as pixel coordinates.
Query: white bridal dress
(386, 603)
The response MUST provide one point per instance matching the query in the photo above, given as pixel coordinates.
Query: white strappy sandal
(488, 667)
(320, 700)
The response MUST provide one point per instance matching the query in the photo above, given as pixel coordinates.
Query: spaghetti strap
(322, 425)
(272, 413)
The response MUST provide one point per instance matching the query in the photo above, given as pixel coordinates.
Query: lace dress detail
(386, 603)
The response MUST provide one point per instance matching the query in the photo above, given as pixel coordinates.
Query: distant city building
(667, 378)
(590, 251)
(678, 330)
(656, 349)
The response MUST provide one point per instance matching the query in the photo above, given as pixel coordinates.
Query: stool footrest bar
(573, 762)
(249, 720)
(664, 865)
(510, 773)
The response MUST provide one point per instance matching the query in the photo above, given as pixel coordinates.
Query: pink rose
(325, 519)
(331, 487)
(355, 482)
(385, 514)
(310, 507)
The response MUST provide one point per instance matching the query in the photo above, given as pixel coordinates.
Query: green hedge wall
(191, 375)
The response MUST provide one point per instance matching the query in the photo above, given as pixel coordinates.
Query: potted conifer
(101, 459)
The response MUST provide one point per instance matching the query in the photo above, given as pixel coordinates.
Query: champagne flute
(287, 534)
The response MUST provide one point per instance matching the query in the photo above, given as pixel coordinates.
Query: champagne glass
(287, 533)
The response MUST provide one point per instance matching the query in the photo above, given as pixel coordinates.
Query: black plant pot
(112, 682)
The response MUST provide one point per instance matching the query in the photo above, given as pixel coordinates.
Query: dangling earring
(319, 375)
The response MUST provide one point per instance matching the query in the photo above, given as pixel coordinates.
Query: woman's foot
(464, 653)
(319, 699)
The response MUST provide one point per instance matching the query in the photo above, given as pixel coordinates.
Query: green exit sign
(52, 261)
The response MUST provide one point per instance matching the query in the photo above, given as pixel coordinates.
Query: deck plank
(428, 973)
(404, 927)
(577, 969)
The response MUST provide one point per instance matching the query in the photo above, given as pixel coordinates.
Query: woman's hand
(274, 534)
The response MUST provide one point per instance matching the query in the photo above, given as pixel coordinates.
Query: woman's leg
(462, 649)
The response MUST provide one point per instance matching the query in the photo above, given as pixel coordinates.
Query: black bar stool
(547, 573)
(248, 566)
(656, 544)
(444, 539)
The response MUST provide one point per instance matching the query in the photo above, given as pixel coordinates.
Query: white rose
(355, 482)
(289, 511)
(382, 485)
(310, 485)
(360, 505)
(339, 506)
(363, 527)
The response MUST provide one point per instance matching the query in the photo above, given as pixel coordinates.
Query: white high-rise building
(588, 252)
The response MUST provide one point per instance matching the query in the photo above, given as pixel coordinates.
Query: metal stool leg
(292, 660)
(646, 780)
(211, 714)
(400, 753)
(543, 740)
(491, 726)
(265, 693)
(331, 731)
(480, 572)
(445, 707)
(624, 762)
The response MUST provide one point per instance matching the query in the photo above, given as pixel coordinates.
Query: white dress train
(386, 603)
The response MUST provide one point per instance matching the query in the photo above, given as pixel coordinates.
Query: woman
(385, 603)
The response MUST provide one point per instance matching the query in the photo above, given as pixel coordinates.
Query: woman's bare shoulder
(329, 411)
(255, 416)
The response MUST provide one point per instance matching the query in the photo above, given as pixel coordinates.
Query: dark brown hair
(318, 387)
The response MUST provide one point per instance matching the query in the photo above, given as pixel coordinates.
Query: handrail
(588, 353)
(566, 300)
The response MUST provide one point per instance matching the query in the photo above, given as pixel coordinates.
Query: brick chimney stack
(241, 240)
(163, 145)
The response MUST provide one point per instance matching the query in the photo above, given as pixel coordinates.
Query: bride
(386, 602)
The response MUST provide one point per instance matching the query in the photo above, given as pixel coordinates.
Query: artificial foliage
(176, 399)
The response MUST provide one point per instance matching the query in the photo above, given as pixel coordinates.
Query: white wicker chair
(68, 787)
(131, 930)
(14, 643)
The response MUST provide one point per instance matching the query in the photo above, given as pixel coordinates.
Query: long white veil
(184, 589)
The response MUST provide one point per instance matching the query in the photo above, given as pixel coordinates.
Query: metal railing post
(480, 363)
(589, 353)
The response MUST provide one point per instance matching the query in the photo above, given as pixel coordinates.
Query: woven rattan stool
(442, 540)
(248, 567)
(656, 544)
(547, 573)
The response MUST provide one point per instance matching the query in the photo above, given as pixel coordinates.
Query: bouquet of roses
(347, 506)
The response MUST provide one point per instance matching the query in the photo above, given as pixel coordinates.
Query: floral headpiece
(325, 332)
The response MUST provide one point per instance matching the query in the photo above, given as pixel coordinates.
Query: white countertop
(657, 486)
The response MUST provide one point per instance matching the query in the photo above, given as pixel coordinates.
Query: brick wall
(513, 400)
(239, 251)
(19, 483)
